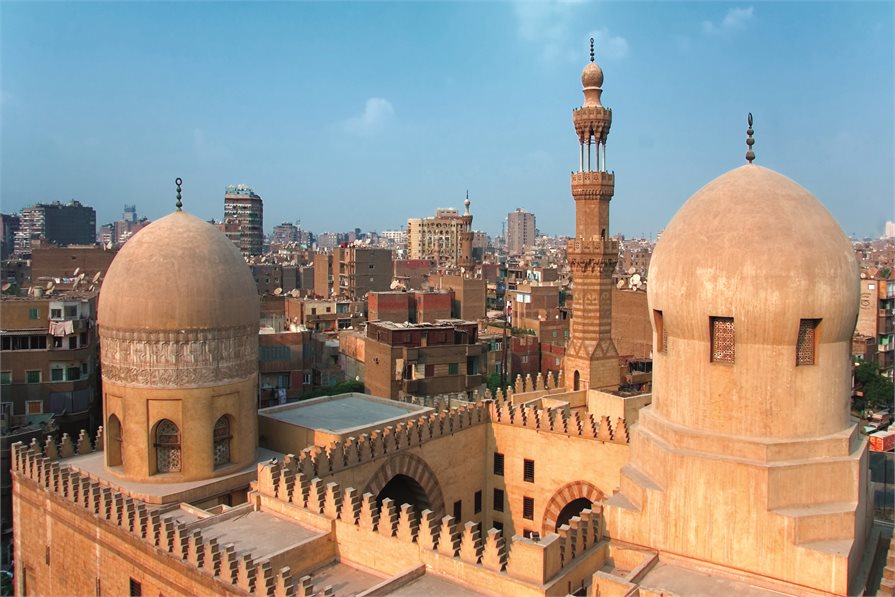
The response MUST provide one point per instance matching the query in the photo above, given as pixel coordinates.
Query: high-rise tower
(591, 357)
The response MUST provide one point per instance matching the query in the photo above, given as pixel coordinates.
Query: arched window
(113, 441)
(167, 447)
(222, 441)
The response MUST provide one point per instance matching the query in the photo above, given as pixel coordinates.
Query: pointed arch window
(167, 447)
(222, 441)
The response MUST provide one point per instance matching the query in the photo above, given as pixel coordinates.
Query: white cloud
(736, 19)
(552, 26)
(607, 46)
(378, 112)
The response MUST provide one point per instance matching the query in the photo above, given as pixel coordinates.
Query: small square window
(528, 471)
(528, 508)
(34, 407)
(55, 313)
(458, 509)
(57, 374)
(478, 502)
(32, 376)
(498, 464)
(453, 368)
(498, 500)
(5, 378)
(33, 314)
(136, 589)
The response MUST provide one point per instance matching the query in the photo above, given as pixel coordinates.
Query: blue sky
(349, 115)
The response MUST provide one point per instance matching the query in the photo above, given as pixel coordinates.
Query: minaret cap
(467, 203)
(750, 155)
(179, 203)
(592, 80)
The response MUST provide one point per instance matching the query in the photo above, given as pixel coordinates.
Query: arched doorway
(113, 441)
(568, 501)
(577, 385)
(411, 477)
(401, 489)
(571, 509)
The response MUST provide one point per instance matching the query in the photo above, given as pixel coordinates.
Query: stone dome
(592, 75)
(754, 246)
(178, 273)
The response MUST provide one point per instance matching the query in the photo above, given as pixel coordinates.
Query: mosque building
(741, 473)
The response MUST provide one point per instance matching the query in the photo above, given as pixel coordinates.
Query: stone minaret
(466, 236)
(591, 357)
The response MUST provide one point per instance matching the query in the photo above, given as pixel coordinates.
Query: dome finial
(750, 155)
(467, 202)
(591, 49)
(179, 203)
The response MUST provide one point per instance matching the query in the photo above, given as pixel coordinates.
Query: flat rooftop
(430, 584)
(692, 583)
(342, 413)
(260, 533)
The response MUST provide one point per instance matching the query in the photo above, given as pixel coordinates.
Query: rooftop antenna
(179, 203)
(750, 155)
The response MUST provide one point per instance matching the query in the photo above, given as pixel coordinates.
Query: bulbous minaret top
(592, 80)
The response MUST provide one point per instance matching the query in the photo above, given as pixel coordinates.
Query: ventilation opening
(723, 339)
(806, 343)
(661, 334)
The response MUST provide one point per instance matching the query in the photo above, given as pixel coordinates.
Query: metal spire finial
(750, 155)
(591, 49)
(179, 203)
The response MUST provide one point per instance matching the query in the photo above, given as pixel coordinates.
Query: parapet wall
(391, 539)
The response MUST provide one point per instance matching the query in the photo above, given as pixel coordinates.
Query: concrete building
(361, 270)
(446, 238)
(287, 232)
(716, 490)
(520, 231)
(244, 219)
(49, 262)
(57, 223)
(876, 318)
(9, 224)
(422, 359)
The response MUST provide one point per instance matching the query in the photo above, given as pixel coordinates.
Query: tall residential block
(244, 209)
(61, 224)
(446, 238)
(520, 231)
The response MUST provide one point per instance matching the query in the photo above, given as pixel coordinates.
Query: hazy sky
(349, 115)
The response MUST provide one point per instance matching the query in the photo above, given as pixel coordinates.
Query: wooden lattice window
(167, 447)
(661, 332)
(723, 339)
(222, 441)
(498, 464)
(806, 344)
(528, 508)
(528, 471)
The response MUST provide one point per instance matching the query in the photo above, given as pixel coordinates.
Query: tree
(877, 389)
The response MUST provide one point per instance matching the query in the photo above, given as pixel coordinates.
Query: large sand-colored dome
(178, 273)
(755, 246)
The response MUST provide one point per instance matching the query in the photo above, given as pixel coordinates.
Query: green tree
(877, 389)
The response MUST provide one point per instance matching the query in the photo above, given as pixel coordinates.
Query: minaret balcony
(581, 247)
(593, 185)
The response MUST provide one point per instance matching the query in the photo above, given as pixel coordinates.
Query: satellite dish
(96, 277)
(77, 269)
(295, 293)
(50, 286)
(6, 286)
(631, 270)
(620, 283)
(278, 291)
(92, 288)
(635, 280)
(394, 285)
(75, 285)
(81, 275)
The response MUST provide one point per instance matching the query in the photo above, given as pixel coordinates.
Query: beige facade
(445, 238)
(520, 231)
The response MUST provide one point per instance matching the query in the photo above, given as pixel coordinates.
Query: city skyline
(365, 106)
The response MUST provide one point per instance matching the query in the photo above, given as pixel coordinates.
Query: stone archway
(564, 496)
(416, 469)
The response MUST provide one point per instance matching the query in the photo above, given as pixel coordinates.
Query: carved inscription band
(178, 358)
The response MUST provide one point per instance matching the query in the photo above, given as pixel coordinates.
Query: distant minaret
(591, 359)
(466, 236)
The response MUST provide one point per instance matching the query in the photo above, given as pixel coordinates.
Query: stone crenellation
(464, 543)
(188, 548)
(285, 483)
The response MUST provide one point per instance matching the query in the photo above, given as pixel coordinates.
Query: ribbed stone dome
(178, 273)
(754, 246)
